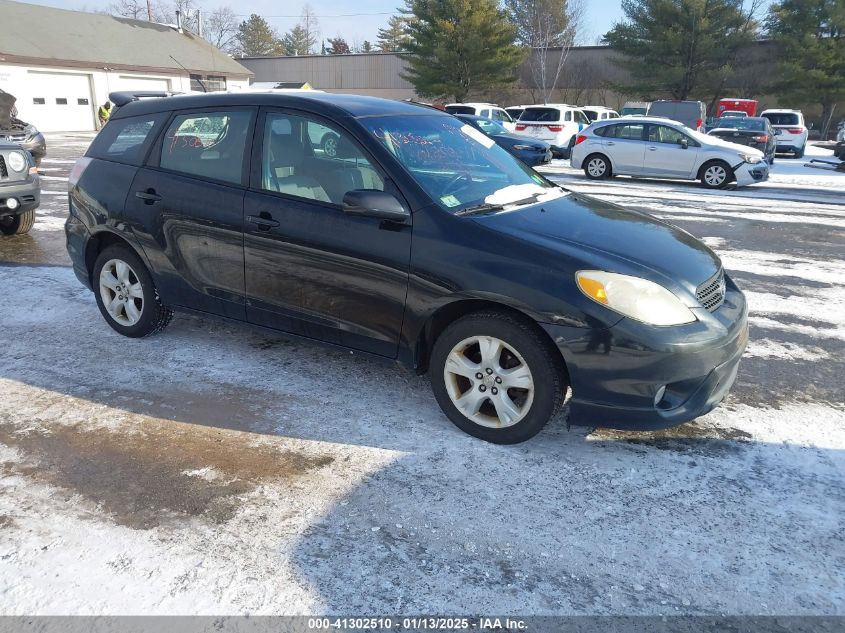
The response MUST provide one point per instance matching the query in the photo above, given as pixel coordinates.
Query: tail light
(795, 130)
(79, 168)
(520, 127)
(698, 124)
(763, 138)
(580, 139)
(555, 128)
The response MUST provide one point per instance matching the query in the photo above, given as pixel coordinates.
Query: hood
(591, 233)
(7, 110)
(514, 139)
(718, 142)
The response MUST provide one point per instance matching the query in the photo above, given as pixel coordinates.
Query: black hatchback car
(756, 132)
(417, 241)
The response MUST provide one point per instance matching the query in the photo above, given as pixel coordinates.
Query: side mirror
(372, 203)
(683, 143)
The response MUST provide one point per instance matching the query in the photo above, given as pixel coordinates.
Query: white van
(486, 110)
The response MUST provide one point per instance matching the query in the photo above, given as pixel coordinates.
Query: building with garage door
(61, 65)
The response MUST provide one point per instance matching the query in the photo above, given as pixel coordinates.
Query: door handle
(652, 148)
(264, 221)
(149, 196)
(610, 143)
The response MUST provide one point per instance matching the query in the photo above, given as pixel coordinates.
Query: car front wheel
(496, 378)
(126, 295)
(17, 224)
(716, 175)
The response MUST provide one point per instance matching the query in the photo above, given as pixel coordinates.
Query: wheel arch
(100, 241)
(447, 314)
(710, 161)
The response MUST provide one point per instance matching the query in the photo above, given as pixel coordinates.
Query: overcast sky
(336, 19)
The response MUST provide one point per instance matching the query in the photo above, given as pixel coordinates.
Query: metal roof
(38, 35)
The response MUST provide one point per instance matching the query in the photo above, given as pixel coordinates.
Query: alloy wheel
(715, 175)
(489, 382)
(121, 292)
(596, 167)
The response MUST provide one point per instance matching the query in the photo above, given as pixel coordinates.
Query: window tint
(567, 116)
(459, 109)
(500, 115)
(126, 140)
(543, 115)
(207, 144)
(737, 123)
(592, 115)
(665, 134)
(309, 159)
(630, 131)
(783, 118)
(515, 113)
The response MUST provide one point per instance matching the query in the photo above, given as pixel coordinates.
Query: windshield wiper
(480, 208)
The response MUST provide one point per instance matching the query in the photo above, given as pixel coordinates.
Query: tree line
(679, 49)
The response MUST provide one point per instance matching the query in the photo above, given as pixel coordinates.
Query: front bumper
(26, 192)
(616, 373)
(749, 173)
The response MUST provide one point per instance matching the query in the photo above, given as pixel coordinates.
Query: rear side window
(629, 131)
(580, 117)
(783, 118)
(126, 140)
(207, 144)
(543, 115)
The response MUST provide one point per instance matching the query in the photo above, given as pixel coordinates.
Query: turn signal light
(593, 289)
(580, 139)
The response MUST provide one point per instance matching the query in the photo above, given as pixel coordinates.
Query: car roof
(780, 110)
(639, 118)
(330, 104)
(592, 107)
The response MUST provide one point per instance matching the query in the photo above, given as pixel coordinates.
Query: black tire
(598, 174)
(799, 153)
(716, 164)
(154, 316)
(17, 224)
(543, 361)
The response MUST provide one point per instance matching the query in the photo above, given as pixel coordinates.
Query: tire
(17, 224)
(799, 153)
(149, 315)
(709, 174)
(529, 360)
(329, 145)
(597, 166)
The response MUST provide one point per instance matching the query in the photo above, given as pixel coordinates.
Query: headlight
(17, 161)
(636, 298)
(748, 158)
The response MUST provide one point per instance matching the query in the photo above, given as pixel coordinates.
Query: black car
(12, 129)
(20, 190)
(756, 132)
(530, 152)
(417, 241)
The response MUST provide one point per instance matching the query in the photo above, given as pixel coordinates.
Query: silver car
(662, 148)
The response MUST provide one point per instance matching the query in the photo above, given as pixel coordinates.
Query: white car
(556, 123)
(599, 113)
(662, 148)
(793, 133)
(486, 110)
(516, 111)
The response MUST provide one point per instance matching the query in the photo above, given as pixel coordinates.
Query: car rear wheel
(17, 224)
(799, 153)
(126, 295)
(496, 378)
(597, 167)
(716, 175)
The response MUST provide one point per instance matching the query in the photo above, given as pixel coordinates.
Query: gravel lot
(215, 469)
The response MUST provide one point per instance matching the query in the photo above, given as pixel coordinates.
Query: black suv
(418, 239)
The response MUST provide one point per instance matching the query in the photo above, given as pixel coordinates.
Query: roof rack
(122, 98)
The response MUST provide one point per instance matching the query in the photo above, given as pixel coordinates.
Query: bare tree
(137, 10)
(221, 28)
(311, 26)
(548, 29)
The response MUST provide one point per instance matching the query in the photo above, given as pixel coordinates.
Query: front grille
(4, 173)
(711, 294)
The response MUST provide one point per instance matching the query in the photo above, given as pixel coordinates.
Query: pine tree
(256, 37)
(811, 39)
(295, 41)
(338, 46)
(392, 38)
(457, 47)
(683, 48)
(366, 47)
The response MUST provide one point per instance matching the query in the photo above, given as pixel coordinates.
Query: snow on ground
(216, 469)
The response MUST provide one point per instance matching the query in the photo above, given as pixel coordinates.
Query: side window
(568, 115)
(207, 144)
(664, 134)
(485, 113)
(500, 115)
(306, 158)
(126, 140)
(629, 131)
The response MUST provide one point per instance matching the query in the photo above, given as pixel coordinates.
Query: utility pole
(150, 10)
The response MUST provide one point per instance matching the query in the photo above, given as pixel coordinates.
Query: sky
(355, 21)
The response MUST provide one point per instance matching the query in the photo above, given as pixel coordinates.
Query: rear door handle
(609, 143)
(264, 221)
(652, 148)
(149, 196)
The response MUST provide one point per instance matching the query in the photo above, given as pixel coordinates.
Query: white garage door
(61, 102)
(138, 84)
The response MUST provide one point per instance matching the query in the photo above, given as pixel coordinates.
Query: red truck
(749, 106)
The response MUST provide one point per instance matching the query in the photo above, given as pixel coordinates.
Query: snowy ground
(214, 469)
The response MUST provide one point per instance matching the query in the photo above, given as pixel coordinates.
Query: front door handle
(149, 196)
(652, 149)
(610, 143)
(263, 220)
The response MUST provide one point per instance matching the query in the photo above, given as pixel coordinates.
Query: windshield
(737, 123)
(491, 127)
(591, 114)
(458, 166)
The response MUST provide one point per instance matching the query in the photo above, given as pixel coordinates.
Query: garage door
(129, 83)
(61, 102)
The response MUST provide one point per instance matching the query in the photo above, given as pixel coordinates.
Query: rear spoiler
(122, 98)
